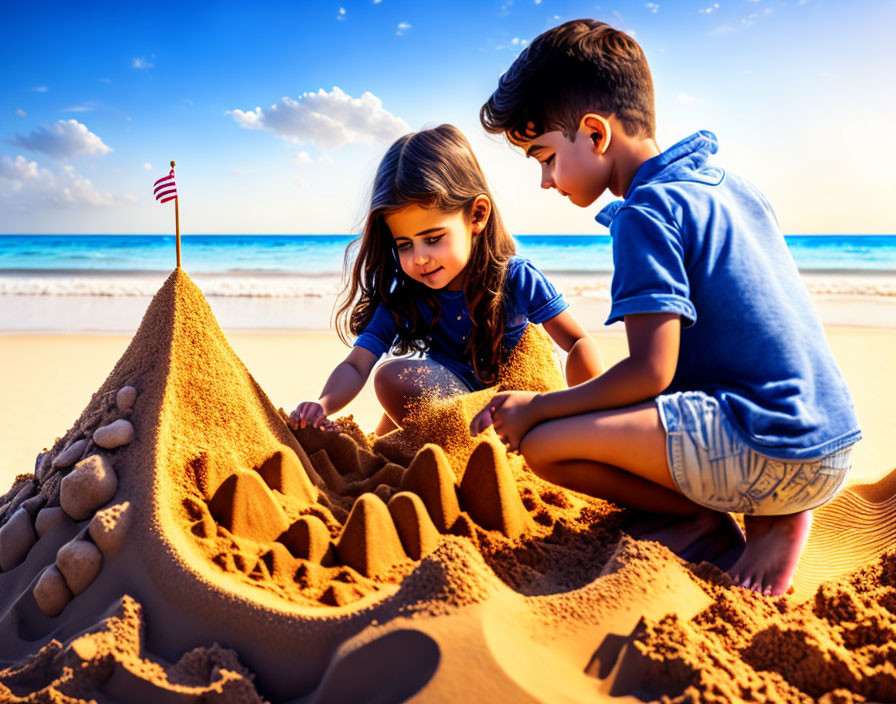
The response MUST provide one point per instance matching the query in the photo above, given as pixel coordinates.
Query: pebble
(70, 455)
(116, 434)
(17, 537)
(91, 484)
(80, 563)
(48, 518)
(110, 526)
(125, 397)
(51, 593)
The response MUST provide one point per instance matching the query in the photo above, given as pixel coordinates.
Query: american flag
(165, 189)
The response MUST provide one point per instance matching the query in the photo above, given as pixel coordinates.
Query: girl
(435, 273)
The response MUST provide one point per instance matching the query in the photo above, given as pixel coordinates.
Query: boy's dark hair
(578, 67)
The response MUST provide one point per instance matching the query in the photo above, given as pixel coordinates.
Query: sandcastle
(180, 542)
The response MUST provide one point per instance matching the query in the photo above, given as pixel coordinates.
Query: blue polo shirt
(528, 297)
(692, 239)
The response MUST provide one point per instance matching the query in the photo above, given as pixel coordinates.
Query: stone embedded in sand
(79, 562)
(110, 526)
(17, 537)
(116, 434)
(418, 534)
(34, 504)
(91, 484)
(70, 455)
(284, 472)
(51, 592)
(43, 466)
(489, 494)
(369, 541)
(307, 538)
(245, 506)
(48, 518)
(125, 397)
(430, 477)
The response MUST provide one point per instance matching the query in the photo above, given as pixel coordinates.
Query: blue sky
(96, 99)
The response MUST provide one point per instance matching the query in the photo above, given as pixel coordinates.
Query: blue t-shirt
(691, 239)
(528, 296)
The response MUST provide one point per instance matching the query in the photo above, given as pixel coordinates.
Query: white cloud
(325, 159)
(77, 108)
(341, 15)
(377, 2)
(139, 62)
(39, 89)
(147, 166)
(66, 138)
(20, 112)
(653, 7)
(708, 10)
(28, 185)
(538, 2)
(686, 99)
(402, 28)
(302, 158)
(328, 120)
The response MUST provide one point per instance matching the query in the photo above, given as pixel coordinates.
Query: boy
(730, 399)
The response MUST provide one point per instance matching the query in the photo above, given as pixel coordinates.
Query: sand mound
(179, 543)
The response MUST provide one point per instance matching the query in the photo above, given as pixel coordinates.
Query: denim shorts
(714, 467)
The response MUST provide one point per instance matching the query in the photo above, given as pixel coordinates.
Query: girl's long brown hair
(434, 168)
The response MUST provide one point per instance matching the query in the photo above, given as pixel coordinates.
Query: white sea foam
(255, 285)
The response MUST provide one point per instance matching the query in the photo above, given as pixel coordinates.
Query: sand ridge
(236, 560)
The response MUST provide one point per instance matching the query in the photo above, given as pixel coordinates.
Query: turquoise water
(315, 255)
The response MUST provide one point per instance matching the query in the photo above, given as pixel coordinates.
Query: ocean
(52, 283)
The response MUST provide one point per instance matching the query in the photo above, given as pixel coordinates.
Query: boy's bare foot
(774, 545)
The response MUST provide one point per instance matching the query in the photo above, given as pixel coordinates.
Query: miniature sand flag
(165, 190)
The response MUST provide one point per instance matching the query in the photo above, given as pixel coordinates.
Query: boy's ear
(597, 128)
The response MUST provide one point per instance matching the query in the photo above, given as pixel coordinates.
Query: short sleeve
(649, 274)
(379, 335)
(532, 293)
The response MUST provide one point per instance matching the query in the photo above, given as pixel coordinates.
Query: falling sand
(180, 544)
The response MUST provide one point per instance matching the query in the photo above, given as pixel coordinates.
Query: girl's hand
(309, 413)
(512, 415)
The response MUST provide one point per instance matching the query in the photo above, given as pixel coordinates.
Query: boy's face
(577, 169)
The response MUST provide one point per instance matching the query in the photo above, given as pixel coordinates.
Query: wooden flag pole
(176, 223)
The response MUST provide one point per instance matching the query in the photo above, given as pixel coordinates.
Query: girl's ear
(480, 212)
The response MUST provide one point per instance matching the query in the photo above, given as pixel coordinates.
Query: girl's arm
(583, 360)
(343, 384)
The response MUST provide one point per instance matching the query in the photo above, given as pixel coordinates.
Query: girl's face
(434, 246)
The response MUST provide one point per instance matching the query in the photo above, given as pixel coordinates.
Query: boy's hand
(511, 413)
(309, 413)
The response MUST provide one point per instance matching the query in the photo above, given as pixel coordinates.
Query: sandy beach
(177, 542)
(50, 378)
